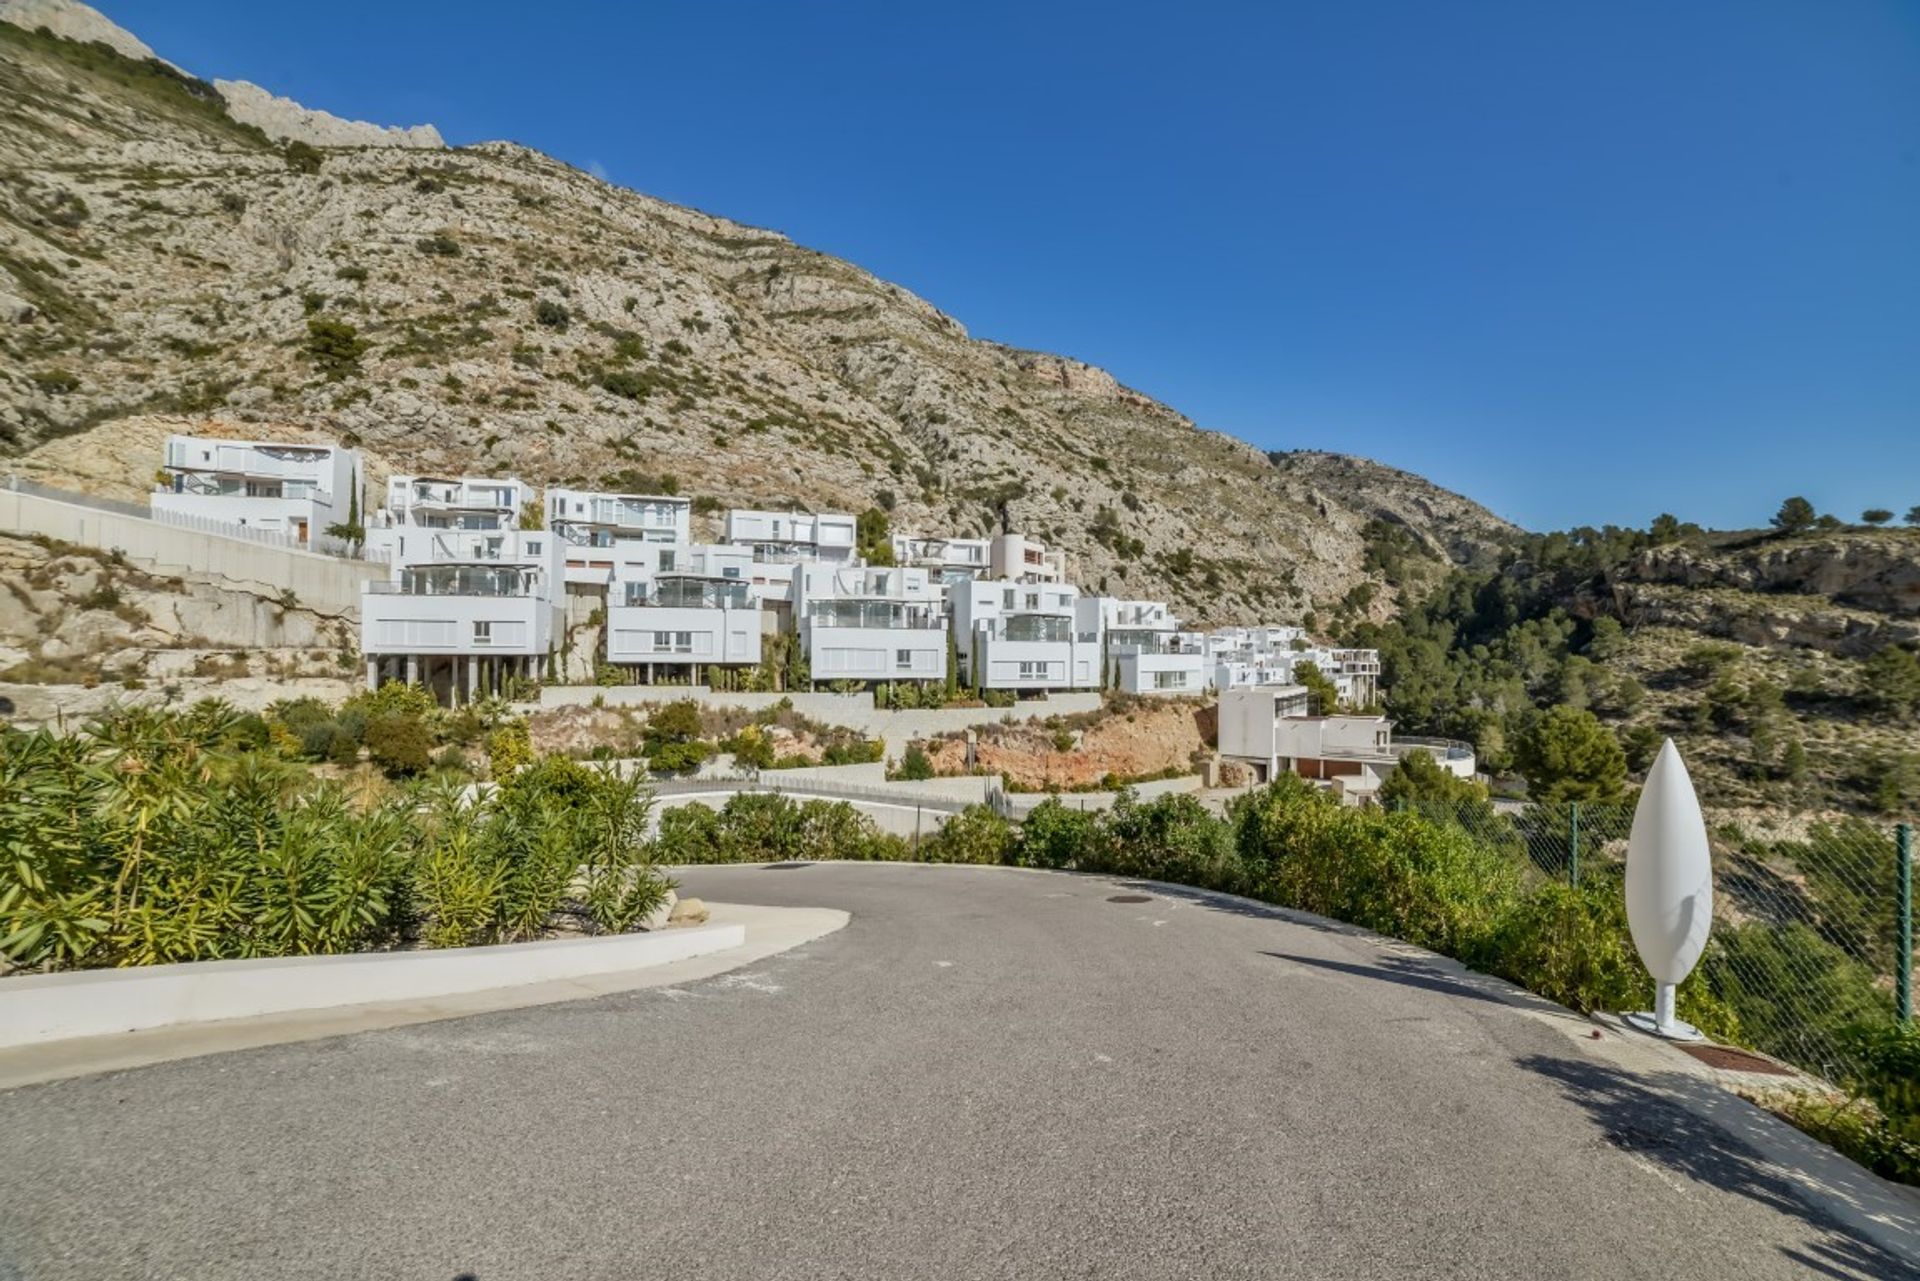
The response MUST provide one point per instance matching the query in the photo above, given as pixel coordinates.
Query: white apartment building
(788, 537)
(590, 524)
(676, 610)
(463, 609)
(1146, 652)
(871, 623)
(291, 489)
(1025, 636)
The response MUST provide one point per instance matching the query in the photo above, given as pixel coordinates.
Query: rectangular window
(683, 642)
(666, 558)
(482, 632)
(662, 642)
(1169, 680)
(1008, 598)
(903, 659)
(1031, 670)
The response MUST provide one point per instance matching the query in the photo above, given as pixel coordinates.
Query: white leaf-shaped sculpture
(1669, 882)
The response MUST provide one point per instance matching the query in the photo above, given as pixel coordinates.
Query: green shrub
(334, 346)
(915, 764)
(400, 744)
(974, 835)
(439, 245)
(509, 748)
(302, 157)
(1057, 836)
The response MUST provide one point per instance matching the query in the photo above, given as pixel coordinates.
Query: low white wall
(327, 584)
(56, 1007)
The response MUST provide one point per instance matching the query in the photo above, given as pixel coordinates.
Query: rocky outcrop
(73, 615)
(1878, 571)
(1765, 620)
(287, 120)
(73, 21)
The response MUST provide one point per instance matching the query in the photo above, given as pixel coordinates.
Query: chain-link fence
(1813, 932)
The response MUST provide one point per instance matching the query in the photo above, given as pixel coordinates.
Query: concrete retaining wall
(853, 711)
(56, 1007)
(326, 584)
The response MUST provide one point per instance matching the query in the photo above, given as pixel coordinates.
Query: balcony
(885, 615)
(688, 593)
(458, 580)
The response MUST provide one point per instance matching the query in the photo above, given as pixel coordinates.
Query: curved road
(987, 1073)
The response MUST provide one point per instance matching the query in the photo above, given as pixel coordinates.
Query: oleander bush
(154, 836)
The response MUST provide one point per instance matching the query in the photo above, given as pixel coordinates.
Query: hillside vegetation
(489, 309)
(1782, 660)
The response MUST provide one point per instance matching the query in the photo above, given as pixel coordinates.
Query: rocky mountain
(167, 257)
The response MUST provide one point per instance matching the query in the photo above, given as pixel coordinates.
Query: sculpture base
(1675, 1029)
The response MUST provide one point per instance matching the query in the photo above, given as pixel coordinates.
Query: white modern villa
(870, 623)
(270, 487)
(675, 611)
(951, 560)
(1146, 652)
(471, 599)
(1025, 636)
(793, 536)
(591, 524)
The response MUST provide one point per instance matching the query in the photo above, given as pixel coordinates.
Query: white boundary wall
(326, 584)
(56, 1007)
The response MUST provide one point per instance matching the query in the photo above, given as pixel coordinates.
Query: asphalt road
(988, 1073)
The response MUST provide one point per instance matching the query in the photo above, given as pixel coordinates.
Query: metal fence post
(1903, 908)
(1573, 843)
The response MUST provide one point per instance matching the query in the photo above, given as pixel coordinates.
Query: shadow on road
(1693, 1128)
(1393, 969)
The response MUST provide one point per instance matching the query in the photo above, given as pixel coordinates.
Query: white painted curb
(56, 1007)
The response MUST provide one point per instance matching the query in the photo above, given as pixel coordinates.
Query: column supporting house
(373, 674)
(413, 669)
(471, 675)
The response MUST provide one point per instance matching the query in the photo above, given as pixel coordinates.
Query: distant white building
(1025, 636)
(878, 624)
(590, 524)
(1146, 652)
(788, 537)
(676, 611)
(1268, 729)
(291, 489)
(474, 503)
(1025, 560)
(949, 560)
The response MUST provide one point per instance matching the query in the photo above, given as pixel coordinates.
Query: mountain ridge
(491, 308)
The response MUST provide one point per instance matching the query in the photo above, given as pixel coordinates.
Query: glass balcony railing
(882, 614)
(687, 593)
(457, 580)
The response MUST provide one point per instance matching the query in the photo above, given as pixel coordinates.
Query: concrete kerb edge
(770, 931)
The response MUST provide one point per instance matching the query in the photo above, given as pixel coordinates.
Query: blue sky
(1585, 262)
